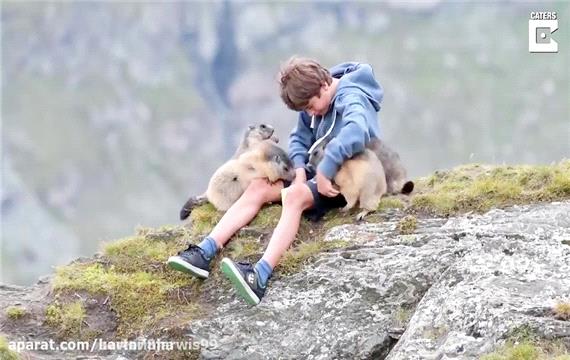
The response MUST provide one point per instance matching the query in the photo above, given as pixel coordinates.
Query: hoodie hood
(358, 77)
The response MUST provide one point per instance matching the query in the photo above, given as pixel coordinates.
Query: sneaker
(244, 279)
(191, 261)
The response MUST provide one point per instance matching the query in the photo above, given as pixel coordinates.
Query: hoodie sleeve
(357, 114)
(300, 141)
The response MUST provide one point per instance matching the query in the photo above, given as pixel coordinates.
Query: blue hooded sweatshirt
(351, 120)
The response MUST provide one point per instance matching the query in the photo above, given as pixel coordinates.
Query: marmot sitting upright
(257, 156)
(359, 179)
(396, 175)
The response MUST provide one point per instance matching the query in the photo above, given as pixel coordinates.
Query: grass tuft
(15, 312)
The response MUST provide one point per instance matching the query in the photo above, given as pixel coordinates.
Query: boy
(342, 104)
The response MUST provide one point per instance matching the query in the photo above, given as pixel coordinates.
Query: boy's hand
(300, 176)
(325, 186)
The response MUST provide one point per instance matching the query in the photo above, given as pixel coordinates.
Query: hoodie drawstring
(321, 139)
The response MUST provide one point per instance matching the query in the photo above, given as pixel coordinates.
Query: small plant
(524, 343)
(67, 318)
(523, 351)
(562, 311)
(5, 352)
(15, 312)
(401, 317)
(407, 225)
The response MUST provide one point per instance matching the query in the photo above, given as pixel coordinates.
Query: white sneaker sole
(178, 264)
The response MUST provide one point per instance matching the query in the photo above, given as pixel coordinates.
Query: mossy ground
(143, 293)
(523, 343)
(482, 187)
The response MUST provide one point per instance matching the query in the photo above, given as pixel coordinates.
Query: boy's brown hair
(300, 79)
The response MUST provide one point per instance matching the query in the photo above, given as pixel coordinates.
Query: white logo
(540, 28)
(250, 277)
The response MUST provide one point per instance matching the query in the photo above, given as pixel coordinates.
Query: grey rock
(468, 281)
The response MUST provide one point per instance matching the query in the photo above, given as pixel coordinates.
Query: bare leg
(299, 198)
(245, 209)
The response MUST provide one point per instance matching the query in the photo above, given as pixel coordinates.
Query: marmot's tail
(408, 187)
(191, 204)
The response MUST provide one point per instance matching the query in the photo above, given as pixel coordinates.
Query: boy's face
(319, 105)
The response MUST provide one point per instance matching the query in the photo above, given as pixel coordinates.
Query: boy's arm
(300, 141)
(357, 112)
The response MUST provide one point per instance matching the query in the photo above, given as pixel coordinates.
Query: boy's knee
(298, 196)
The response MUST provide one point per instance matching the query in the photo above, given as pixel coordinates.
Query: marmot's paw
(362, 214)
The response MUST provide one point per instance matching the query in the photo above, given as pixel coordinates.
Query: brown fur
(396, 175)
(359, 179)
(264, 160)
(257, 156)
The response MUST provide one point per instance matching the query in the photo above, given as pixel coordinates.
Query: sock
(264, 271)
(209, 246)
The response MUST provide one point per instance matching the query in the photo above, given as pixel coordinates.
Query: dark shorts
(321, 204)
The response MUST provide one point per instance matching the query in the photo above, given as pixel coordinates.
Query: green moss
(522, 333)
(268, 217)
(296, 257)
(335, 218)
(529, 350)
(481, 187)
(390, 203)
(560, 185)
(524, 351)
(523, 343)
(407, 225)
(15, 312)
(5, 352)
(67, 319)
(163, 233)
(138, 298)
(244, 248)
(204, 218)
(138, 253)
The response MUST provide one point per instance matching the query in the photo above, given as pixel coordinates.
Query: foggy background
(113, 113)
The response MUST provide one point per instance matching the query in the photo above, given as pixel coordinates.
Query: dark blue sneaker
(191, 261)
(244, 279)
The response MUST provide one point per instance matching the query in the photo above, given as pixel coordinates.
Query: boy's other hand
(325, 186)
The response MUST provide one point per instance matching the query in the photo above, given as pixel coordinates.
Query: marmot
(264, 160)
(359, 179)
(396, 175)
(253, 136)
(257, 156)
